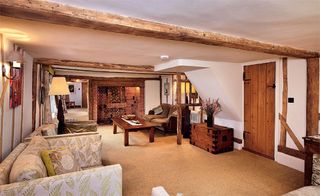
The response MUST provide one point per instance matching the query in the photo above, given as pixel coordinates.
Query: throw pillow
(88, 155)
(59, 161)
(158, 110)
(28, 165)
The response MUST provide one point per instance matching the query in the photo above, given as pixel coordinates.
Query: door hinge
(272, 86)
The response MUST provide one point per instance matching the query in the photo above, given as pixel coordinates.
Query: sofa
(50, 129)
(165, 116)
(92, 179)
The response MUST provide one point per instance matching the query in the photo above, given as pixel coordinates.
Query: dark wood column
(312, 96)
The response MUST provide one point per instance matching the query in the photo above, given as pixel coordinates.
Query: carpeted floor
(191, 170)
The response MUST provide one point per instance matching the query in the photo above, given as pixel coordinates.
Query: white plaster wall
(10, 120)
(76, 96)
(27, 94)
(224, 81)
(152, 94)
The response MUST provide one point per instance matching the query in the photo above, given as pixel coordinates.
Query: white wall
(8, 117)
(224, 81)
(152, 94)
(76, 96)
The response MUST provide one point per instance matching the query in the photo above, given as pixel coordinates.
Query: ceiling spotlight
(164, 57)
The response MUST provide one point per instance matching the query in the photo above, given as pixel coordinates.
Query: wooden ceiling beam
(49, 12)
(107, 66)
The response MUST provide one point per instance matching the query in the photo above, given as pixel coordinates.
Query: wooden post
(178, 101)
(160, 89)
(22, 102)
(34, 93)
(283, 134)
(4, 89)
(312, 96)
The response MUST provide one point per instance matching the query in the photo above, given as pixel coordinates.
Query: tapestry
(16, 86)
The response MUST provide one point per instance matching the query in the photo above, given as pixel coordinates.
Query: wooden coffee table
(119, 122)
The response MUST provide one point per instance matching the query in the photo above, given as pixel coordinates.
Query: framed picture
(166, 88)
(71, 88)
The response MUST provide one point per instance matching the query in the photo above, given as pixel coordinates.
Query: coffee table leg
(151, 135)
(114, 128)
(126, 138)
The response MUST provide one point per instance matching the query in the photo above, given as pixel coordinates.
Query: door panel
(259, 108)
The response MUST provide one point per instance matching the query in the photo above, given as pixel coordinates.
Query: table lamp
(59, 87)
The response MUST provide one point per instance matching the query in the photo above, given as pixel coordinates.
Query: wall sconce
(15, 60)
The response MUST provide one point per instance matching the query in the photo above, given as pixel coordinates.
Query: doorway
(259, 108)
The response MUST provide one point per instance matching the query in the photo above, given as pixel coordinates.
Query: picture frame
(71, 88)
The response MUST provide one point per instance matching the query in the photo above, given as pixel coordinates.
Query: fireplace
(113, 99)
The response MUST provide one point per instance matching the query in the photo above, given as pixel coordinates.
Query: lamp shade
(59, 86)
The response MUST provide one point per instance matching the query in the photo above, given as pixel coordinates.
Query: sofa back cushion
(29, 165)
(166, 109)
(6, 165)
(86, 148)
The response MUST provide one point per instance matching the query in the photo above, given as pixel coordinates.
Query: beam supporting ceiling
(55, 13)
(106, 66)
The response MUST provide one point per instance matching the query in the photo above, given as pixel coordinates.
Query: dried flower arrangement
(212, 108)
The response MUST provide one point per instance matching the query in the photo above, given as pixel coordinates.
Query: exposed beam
(292, 152)
(179, 112)
(107, 66)
(56, 13)
(283, 133)
(291, 133)
(312, 96)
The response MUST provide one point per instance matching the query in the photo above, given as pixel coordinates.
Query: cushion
(305, 191)
(47, 129)
(158, 110)
(6, 164)
(150, 117)
(28, 164)
(166, 109)
(59, 161)
(88, 155)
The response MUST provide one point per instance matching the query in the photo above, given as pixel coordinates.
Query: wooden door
(259, 108)
(84, 94)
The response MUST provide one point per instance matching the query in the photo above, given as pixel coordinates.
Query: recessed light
(164, 57)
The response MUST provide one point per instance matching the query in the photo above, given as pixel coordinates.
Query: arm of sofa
(105, 180)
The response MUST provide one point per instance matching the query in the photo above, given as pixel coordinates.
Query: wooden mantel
(43, 11)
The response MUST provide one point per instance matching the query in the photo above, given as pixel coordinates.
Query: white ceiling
(44, 40)
(289, 22)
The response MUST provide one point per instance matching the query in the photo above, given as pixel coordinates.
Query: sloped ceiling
(288, 22)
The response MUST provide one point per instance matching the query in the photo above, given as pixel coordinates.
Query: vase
(209, 120)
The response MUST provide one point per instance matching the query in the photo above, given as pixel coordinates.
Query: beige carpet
(191, 170)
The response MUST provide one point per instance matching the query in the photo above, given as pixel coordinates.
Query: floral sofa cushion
(6, 165)
(105, 180)
(29, 165)
(86, 148)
